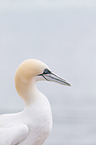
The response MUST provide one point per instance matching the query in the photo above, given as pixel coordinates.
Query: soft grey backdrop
(62, 34)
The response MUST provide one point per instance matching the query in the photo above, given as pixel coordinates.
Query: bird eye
(46, 71)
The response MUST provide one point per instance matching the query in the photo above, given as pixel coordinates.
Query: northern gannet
(33, 125)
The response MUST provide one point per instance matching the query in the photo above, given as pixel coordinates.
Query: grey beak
(49, 76)
(54, 78)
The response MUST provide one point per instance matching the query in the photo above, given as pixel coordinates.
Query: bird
(31, 126)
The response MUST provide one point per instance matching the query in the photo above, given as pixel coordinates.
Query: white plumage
(33, 125)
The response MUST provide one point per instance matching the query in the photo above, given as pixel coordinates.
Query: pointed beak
(54, 78)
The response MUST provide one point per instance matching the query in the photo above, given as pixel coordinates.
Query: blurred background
(62, 34)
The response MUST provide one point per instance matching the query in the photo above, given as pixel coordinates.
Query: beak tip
(68, 84)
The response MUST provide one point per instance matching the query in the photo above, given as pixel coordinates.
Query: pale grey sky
(63, 35)
(29, 5)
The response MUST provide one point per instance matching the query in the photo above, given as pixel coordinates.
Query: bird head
(31, 71)
(37, 70)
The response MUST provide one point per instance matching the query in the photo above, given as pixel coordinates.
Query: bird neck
(26, 89)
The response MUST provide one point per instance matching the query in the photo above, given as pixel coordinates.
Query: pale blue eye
(46, 71)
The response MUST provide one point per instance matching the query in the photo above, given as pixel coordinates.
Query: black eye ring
(46, 71)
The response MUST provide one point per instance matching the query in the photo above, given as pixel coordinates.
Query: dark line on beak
(63, 81)
(45, 77)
